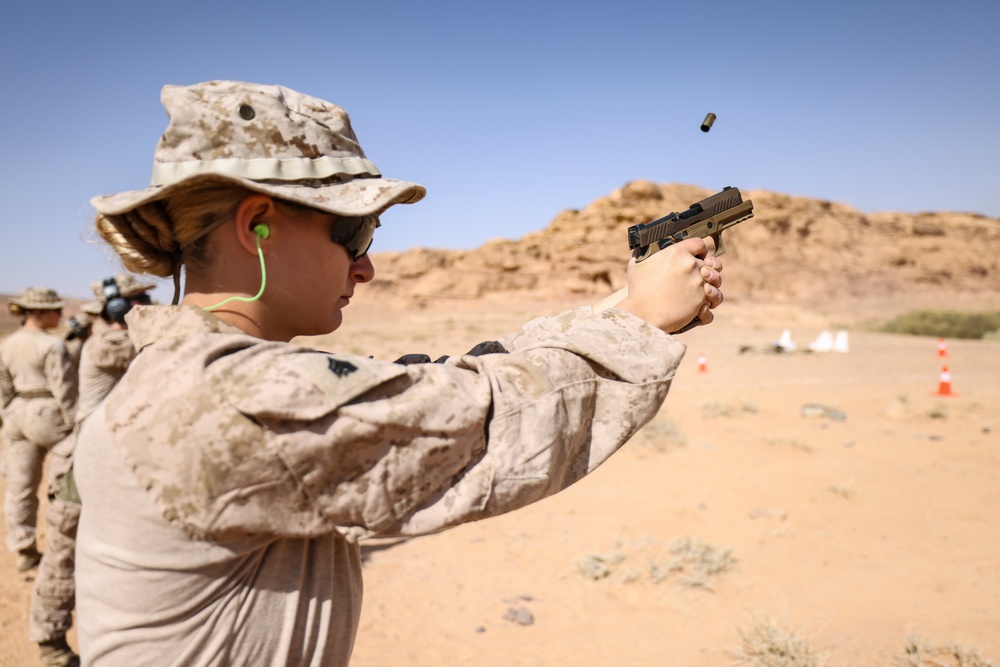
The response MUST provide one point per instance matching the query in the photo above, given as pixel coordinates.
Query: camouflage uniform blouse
(36, 366)
(103, 361)
(227, 480)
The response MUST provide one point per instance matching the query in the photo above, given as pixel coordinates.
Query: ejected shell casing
(706, 124)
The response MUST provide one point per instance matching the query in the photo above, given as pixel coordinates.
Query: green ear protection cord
(262, 231)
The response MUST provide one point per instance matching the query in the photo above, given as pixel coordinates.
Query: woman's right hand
(675, 285)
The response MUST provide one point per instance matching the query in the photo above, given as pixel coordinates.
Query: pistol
(709, 217)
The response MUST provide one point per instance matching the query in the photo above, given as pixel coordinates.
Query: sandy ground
(868, 519)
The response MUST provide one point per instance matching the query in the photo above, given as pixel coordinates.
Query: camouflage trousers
(54, 593)
(22, 467)
(27, 436)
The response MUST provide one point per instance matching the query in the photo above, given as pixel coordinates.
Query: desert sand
(840, 497)
(857, 526)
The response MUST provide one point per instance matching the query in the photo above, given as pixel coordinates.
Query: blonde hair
(157, 237)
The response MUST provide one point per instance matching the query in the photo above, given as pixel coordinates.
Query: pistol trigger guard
(719, 246)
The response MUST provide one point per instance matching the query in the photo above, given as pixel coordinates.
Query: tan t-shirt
(227, 480)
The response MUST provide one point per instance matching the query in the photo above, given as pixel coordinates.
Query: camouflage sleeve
(304, 443)
(61, 373)
(6, 386)
(569, 392)
(111, 351)
(75, 348)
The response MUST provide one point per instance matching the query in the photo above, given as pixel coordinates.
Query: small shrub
(694, 562)
(842, 490)
(938, 411)
(688, 563)
(767, 645)
(794, 443)
(715, 409)
(945, 324)
(599, 566)
(660, 434)
(918, 654)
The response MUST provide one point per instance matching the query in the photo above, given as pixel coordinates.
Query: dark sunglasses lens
(357, 251)
(355, 234)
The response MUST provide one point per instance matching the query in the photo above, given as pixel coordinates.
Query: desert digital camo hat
(92, 308)
(84, 319)
(36, 298)
(127, 285)
(268, 139)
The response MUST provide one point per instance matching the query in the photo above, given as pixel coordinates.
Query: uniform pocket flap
(301, 385)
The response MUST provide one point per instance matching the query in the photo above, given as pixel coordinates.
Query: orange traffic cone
(942, 348)
(944, 383)
(702, 363)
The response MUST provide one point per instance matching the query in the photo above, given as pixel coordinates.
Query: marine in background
(80, 327)
(38, 391)
(105, 355)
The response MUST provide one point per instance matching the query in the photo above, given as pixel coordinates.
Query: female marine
(229, 477)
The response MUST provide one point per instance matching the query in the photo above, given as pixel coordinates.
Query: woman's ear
(251, 220)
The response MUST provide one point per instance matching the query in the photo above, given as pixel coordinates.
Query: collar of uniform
(148, 324)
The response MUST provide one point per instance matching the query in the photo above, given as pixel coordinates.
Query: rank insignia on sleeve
(341, 368)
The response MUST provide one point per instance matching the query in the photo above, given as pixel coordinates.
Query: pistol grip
(687, 327)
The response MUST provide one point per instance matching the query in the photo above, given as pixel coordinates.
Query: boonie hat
(36, 298)
(269, 139)
(127, 285)
(92, 308)
(83, 318)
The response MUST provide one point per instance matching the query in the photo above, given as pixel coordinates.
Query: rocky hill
(793, 249)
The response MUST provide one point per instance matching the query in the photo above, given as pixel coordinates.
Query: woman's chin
(331, 324)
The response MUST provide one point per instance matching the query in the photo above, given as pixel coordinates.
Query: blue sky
(511, 112)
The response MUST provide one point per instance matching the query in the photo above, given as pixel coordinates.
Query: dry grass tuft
(916, 653)
(694, 561)
(662, 434)
(689, 563)
(716, 410)
(765, 644)
(843, 490)
(946, 324)
(793, 443)
(599, 566)
(938, 411)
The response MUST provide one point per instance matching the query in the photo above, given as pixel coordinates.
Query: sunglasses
(355, 234)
